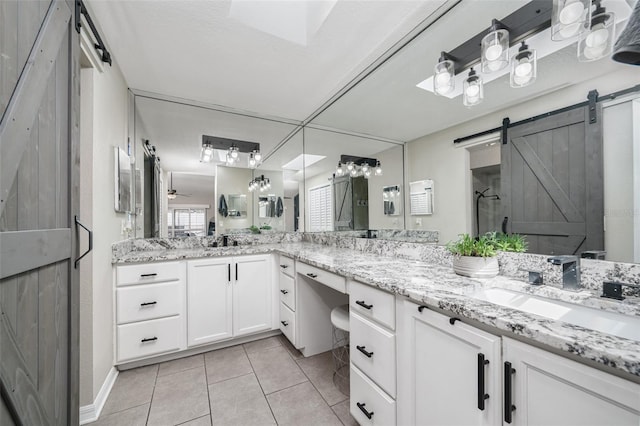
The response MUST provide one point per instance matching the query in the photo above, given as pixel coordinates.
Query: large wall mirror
(181, 195)
(470, 195)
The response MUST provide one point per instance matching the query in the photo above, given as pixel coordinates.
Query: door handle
(505, 221)
(229, 272)
(364, 305)
(508, 404)
(148, 303)
(149, 339)
(364, 351)
(284, 266)
(284, 323)
(78, 223)
(236, 272)
(284, 291)
(310, 275)
(482, 396)
(364, 410)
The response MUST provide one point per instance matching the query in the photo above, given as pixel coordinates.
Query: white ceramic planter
(476, 267)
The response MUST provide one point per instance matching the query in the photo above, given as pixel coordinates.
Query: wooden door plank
(63, 137)
(559, 197)
(9, 301)
(5, 416)
(22, 251)
(577, 165)
(8, 51)
(26, 330)
(563, 229)
(29, 22)
(27, 178)
(567, 118)
(595, 183)
(545, 204)
(16, 124)
(9, 216)
(505, 180)
(46, 157)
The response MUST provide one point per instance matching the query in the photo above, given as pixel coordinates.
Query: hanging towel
(222, 206)
(279, 207)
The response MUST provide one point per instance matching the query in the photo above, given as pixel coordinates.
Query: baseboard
(90, 413)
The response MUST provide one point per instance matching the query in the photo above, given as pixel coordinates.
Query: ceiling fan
(172, 193)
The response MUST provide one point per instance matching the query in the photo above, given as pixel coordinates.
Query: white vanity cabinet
(287, 292)
(228, 297)
(150, 310)
(372, 345)
(448, 372)
(543, 388)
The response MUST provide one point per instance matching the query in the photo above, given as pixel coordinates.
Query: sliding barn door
(551, 177)
(39, 94)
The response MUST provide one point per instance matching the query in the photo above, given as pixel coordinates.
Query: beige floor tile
(136, 416)
(226, 363)
(181, 364)
(239, 401)
(179, 397)
(200, 421)
(343, 413)
(319, 369)
(275, 369)
(132, 388)
(295, 354)
(262, 344)
(301, 405)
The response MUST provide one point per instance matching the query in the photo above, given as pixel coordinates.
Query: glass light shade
(257, 156)
(495, 50)
(365, 167)
(597, 42)
(378, 171)
(339, 170)
(367, 174)
(444, 77)
(350, 166)
(353, 172)
(206, 154)
(171, 196)
(252, 160)
(233, 152)
(523, 67)
(569, 18)
(472, 89)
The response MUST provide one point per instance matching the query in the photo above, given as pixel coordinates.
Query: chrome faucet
(570, 270)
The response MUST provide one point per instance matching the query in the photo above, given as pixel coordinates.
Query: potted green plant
(476, 257)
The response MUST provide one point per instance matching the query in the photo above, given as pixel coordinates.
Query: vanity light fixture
(597, 41)
(260, 183)
(495, 48)
(473, 92)
(206, 154)
(523, 67)
(569, 18)
(358, 166)
(229, 150)
(444, 75)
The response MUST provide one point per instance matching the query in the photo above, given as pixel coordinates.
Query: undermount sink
(620, 325)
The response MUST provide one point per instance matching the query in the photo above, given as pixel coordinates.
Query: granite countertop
(439, 286)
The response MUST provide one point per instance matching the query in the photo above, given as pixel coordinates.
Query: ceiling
(217, 52)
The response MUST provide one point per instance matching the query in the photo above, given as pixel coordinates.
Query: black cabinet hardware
(284, 323)
(453, 320)
(149, 339)
(236, 272)
(310, 275)
(481, 395)
(422, 308)
(284, 266)
(89, 247)
(284, 291)
(362, 349)
(147, 275)
(508, 404)
(364, 410)
(229, 272)
(364, 305)
(148, 303)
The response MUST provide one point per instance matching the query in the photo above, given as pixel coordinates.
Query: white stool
(340, 349)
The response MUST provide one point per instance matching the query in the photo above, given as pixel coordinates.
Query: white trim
(90, 413)
(491, 137)
(87, 47)
(189, 206)
(635, 108)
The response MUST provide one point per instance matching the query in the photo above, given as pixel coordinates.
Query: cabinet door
(252, 294)
(209, 300)
(547, 389)
(448, 371)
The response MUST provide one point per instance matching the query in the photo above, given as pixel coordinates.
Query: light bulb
(339, 170)
(350, 166)
(598, 41)
(597, 37)
(494, 51)
(365, 168)
(367, 174)
(524, 68)
(378, 171)
(472, 90)
(234, 152)
(571, 12)
(353, 172)
(443, 78)
(257, 155)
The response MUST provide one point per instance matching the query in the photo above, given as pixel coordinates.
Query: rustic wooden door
(551, 178)
(39, 94)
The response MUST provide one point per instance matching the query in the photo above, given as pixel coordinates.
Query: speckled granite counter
(437, 285)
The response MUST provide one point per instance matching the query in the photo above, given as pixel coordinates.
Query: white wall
(233, 180)
(108, 117)
(437, 157)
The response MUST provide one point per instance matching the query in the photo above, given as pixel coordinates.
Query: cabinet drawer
(327, 278)
(141, 339)
(288, 291)
(366, 396)
(149, 273)
(145, 302)
(373, 350)
(373, 303)
(286, 265)
(288, 323)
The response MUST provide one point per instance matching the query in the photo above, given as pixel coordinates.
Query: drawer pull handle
(481, 395)
(508, 404)
(148, 275)
(364, 305)
(284, 323)
(422, 308)
(148, 303)
(149, 339)
(310, 275)
(364, 410)
(362, 349)
(284, 266)
(453, 320)
(284, 291)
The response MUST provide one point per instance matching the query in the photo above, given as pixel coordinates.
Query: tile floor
(266, 382)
